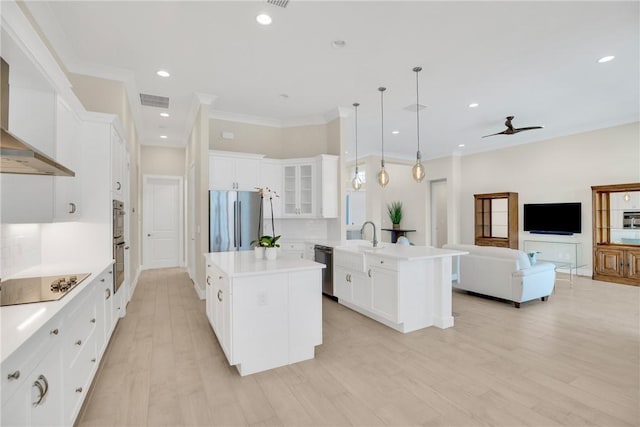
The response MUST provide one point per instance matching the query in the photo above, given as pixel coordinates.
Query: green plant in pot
(395, 213)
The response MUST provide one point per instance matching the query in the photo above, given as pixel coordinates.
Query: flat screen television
(553, 218)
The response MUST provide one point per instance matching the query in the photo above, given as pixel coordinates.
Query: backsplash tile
(19, 248)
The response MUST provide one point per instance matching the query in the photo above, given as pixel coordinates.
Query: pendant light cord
(417, 70)
(355, 105)
(382, 89)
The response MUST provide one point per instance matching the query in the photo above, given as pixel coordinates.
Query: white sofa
(502, 273)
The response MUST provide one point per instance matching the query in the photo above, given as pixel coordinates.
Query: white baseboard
(134, 283)
(200, 292)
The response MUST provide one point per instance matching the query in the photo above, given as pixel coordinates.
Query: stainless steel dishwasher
(324, 255)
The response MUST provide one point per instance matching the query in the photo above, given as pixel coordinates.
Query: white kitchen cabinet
(328, 191)
(342, 284)
(210, 305)
(310, 251)
(271, 177)
(234, 171)
(219, 302)
(265, 315)
(384, 293)
(119, 166)
(293, 249)
(68, 204)
(29, 198)
(362, 289)
(299, 193)
(39, 400)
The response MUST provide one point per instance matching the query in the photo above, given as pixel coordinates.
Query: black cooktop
(38, 289)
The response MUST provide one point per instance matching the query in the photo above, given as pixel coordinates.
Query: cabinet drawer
(78, 379)
(381, 262)
(17, 367)
(348, 259)
(82, 323)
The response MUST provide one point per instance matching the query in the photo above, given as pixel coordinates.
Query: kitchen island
(264, 313)
(404, 287)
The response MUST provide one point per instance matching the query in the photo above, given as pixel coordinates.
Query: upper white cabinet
(67, 195)
(234, 171)
(119, 166)
(29, 198)
(310, 187)
(327, 167)
(299, 189)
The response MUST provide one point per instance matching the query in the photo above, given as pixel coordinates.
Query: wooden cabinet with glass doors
(496, 219)
(616, 233)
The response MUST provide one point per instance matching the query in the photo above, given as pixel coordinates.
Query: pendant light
(383, 176)
(418, 171)
(356, 183)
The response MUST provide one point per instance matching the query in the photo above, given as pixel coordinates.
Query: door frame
(180, 209)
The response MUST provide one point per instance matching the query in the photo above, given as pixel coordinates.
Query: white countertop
(244, 263)
(19, 322)
(402, 252)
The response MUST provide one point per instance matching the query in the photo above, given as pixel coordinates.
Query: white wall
(555, 170)
(162, 161)
(19, 248)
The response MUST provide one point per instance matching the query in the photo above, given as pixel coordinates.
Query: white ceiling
(534, 60)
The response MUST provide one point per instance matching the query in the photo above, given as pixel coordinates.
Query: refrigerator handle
(235, 224)
(240, 225)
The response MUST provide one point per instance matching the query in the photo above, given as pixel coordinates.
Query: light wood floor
(573, 360)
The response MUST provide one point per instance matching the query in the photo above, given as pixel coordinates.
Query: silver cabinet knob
(220, 295)
(79, 390)
(54, 331)
(14, 375)
(209, 280)
(72, 208)
(93, 320)
(118, 185)
(79, 342)
(93, 360)
(369, 273)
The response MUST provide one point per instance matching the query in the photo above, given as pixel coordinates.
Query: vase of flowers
(266, 243)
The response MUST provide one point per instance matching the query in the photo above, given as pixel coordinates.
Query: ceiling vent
(154, 101)
(415, 107)
(281, 3)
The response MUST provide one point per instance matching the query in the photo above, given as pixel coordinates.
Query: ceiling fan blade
(528, 128)
(504, 132)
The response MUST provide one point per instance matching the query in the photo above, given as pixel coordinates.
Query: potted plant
(395, 213)
(266, 243)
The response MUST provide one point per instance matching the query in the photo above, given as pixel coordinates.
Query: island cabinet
(264, 313)
(404, 287)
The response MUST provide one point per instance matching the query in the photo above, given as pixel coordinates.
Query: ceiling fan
(510, 130)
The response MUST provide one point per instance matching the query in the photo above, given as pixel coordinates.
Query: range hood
(16, 156)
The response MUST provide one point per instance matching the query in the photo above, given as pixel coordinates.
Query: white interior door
(162, 221)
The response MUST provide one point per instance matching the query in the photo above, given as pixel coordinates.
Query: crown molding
(205, 98)
(314, 120)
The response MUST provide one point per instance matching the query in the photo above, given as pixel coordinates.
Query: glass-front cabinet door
(616, 233)
(299, 190)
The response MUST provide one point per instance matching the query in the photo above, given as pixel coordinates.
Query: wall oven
(118, 244)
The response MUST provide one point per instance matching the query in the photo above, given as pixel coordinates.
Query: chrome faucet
(374, 242)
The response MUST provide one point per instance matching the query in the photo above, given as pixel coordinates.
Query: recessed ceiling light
(163, 137)
(606, 59)
(283, 96)
(164, 114)
(263, 19)
(473, 105)
(338, 44)
(395, 132)
(163, 73)
(460, 145)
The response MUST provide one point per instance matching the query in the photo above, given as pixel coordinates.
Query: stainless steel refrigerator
(234, 218)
